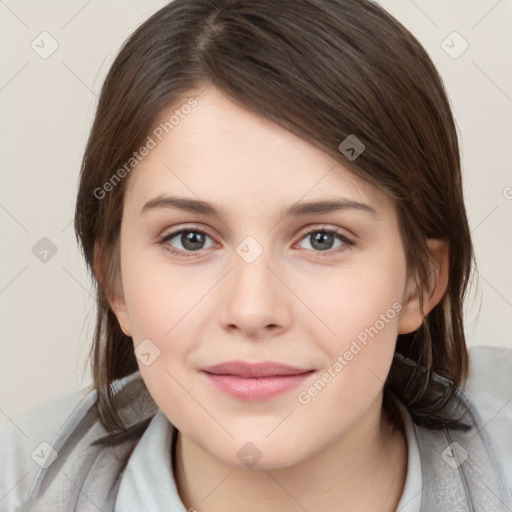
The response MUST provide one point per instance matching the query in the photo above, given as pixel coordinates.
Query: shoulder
(489, 385)
(23, 442)
(38, 477)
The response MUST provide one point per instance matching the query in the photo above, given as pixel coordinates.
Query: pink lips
(255, 381)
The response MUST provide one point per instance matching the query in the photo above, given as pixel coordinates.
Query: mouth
(255, 381)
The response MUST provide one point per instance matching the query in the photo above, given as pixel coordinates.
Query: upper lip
(264, 369)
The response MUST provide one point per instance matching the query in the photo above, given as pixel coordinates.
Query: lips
(247, 370)
(255, 381)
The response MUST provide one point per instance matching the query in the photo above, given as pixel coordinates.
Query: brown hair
(322, 69)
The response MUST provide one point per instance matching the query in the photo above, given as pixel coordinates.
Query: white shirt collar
(411, 495)
(147, 482)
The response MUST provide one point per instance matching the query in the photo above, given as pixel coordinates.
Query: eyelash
(347, 243)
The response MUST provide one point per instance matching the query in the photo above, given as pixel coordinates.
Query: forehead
(221, 152)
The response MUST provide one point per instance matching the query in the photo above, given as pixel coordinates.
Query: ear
(411, 316)
(116, 297)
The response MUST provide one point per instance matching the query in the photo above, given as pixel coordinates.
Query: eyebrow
(296, 209)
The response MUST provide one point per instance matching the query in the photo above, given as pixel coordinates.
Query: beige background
(47, 106)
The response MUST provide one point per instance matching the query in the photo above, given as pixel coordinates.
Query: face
(320, 289)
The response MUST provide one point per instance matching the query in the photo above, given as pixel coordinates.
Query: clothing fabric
(154, 472)
(411, 495)
(84, 468)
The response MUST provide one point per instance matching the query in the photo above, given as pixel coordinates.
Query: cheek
(364, 316)
(359, 302)
(162, 305)
(361, 307)
(159, 296)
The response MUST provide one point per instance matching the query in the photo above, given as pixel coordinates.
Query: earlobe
(115, 298)
(412, 316)
(440, 250)
(121, 312)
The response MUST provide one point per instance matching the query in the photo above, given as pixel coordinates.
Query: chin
(259, 455)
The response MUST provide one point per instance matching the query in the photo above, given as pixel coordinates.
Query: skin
(294, 304)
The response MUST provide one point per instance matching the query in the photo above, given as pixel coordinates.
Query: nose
(255, 300)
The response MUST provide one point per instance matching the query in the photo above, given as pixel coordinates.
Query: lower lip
(256, 389)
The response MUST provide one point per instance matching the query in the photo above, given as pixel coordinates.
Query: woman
(271, 206)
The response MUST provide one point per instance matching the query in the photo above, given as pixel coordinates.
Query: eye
(190, 240)
(324, 240)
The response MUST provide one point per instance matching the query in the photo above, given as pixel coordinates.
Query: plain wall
(47, 107)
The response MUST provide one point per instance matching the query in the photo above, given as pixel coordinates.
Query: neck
(363, 470)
